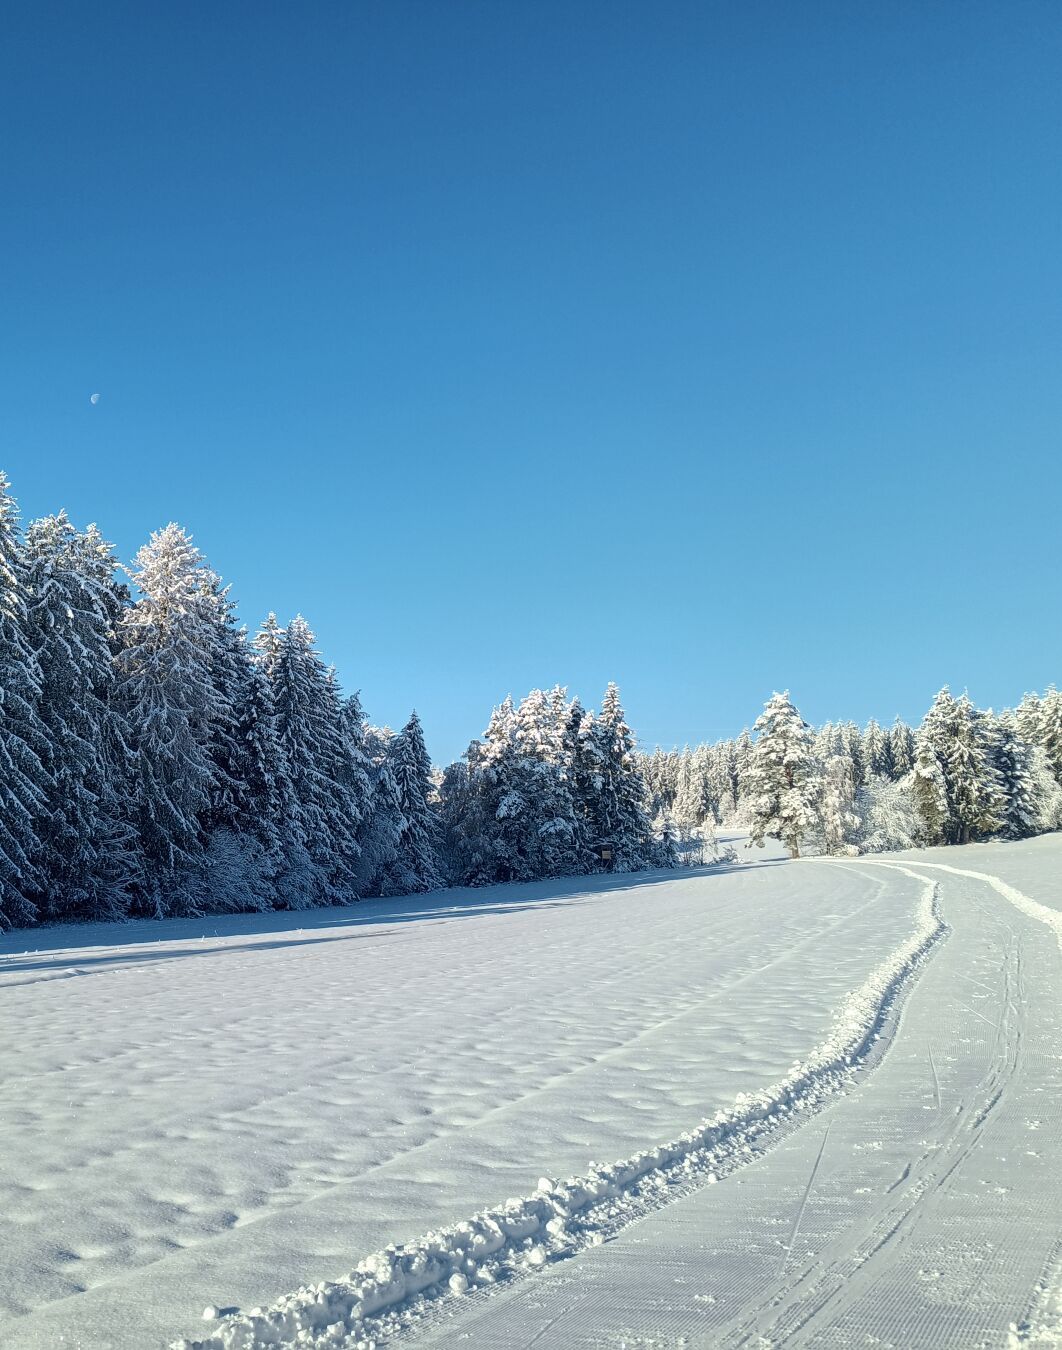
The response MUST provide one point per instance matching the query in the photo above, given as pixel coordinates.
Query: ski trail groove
(559, 1219)
(1051, 917)
(824, 1299)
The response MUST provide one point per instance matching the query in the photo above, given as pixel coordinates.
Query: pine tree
(411, 769)
(166, 693)
(310, 732)
(852, 745)
(688, 808)
(957, 735)
(877, 751)
(665, 853)
(726, 778)
(545, 782)
(350, 771)
(89, 854)
(618, 810)
(784, 782)
(25, 786)
(1026, 786)
(381, 863)
(974, 788)
(902, 749)
(263, 803)
(497, 847)
(1028, 719)
(827, 741)
(929, 793)
(228, 658)
(840, 822)
(583, 756)
(1049, 730)
(742, 767)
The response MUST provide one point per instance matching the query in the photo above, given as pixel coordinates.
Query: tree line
(964, 774)
(157, 760)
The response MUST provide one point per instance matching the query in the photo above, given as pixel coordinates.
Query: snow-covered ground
(921, 1210)
(219, 1112)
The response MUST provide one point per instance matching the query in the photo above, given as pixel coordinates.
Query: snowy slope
(219, 1112)
(919, 1211)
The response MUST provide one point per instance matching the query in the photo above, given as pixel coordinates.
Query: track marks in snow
(899, 1270)
(1051, 917)
(263, 1085)
(560, 1218)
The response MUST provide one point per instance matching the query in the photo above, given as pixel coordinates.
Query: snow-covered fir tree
(901, 749)
(1048, 733)
(958, 737)
(496, 833)
(416, 846)
(25, 785)
(929, 793)
(263, 803)
(227, 656)
(1030, 796)
(877, 751)
(688, 808)
(381, 870)
(975, 790)
(851, 744)
(548, 790)
(583, 758)
(617, 810)
(784, 783)
(839, 821)
(310, 731)
(89, 851)
(665, 852)
(166, 693)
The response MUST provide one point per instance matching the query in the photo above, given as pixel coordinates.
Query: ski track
(1051, 917)
(926, 1211)
(559, 1219)
(860, 1251)
(229, 1108)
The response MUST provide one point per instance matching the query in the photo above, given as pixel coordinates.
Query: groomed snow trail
(927, 1219)
(216, 1111)
(562, 1218)
(1044, 913)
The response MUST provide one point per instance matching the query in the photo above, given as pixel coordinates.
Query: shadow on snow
(76, 948)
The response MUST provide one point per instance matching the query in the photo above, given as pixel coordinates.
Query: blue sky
(710, 348)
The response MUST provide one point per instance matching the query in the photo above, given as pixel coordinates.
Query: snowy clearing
(918, 1211)
(562, 1217)
(220, 1112)
(217, 1112)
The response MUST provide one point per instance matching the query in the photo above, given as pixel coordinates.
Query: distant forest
(156, 760)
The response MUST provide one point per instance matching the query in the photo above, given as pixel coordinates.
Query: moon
(94, 399)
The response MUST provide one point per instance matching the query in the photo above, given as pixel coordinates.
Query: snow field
(919, 1210)
(558, 1218)
(207, 1112)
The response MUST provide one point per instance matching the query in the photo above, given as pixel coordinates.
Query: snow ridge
(1027, 905)
(560, 1217)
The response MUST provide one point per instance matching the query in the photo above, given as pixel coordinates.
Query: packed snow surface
(216, 1112)
(202, 1116)
(560, 1217)
(920, 1210)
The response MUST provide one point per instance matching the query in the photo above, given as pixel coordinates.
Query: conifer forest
(158, 759)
